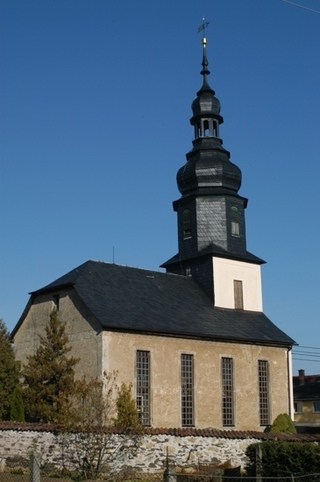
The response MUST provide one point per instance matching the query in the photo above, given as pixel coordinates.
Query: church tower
(211, 213)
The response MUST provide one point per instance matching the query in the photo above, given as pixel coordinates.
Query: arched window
(186, 224)
(235, 226)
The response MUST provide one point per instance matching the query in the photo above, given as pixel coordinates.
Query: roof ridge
(109, 263)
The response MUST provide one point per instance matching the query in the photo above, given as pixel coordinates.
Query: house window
(235, 226)
(143, 386)
(298, 407)
(227, 392)
(56, 302)
(264, 409)
(186, 224)
(187, 396)
(316, 406)
(238, 294)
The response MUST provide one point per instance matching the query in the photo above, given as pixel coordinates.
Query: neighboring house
(193, 341)
(306, 392)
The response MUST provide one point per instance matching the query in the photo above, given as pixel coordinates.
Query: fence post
(170, 474)
(258, 463)
(34, 467)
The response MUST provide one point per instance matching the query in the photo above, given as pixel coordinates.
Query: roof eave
(48, 289)
(224, 339)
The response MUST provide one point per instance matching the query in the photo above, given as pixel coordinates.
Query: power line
(302, 353)
(317, 353)
(305, 360)
(301, 6)
(306, 354)
(309, 347)
(311, 354)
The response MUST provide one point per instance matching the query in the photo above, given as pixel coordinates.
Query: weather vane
(203, 27)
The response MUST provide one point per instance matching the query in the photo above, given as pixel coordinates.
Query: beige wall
(119, 354)
(108, 351)
(307, 415)
(84, 336)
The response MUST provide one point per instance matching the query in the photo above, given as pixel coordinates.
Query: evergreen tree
(9, 372)
(49, 374)
(91, 418)
(16, 405)
(127, 414)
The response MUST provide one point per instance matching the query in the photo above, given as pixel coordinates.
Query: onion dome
(208, 166)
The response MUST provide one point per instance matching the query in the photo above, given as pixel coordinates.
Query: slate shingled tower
(211, 213)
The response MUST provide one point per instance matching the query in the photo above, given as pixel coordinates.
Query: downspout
(290, 384)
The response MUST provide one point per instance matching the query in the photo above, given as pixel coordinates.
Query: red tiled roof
(178, 432)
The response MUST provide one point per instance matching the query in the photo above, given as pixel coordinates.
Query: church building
(193, 341)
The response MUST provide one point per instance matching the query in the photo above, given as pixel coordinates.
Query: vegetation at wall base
(282, 458)
(283, 424)
(127, 414)
(95, 406)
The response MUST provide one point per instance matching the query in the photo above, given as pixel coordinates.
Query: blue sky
(95, 107)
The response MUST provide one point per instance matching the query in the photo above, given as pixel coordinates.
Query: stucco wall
(101, 351)
(120, 351)
(228, 270)
(307, 415)
(82, 329)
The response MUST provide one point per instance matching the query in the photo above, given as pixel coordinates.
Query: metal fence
(34, 473)
(243, 478)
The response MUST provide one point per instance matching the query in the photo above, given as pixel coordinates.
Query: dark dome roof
(206, 103)
(208, 169)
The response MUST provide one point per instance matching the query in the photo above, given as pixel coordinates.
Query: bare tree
(90, 437)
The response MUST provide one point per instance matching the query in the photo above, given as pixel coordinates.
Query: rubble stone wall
(188, 452)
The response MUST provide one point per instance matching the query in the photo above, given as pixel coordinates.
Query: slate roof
(214, 250)
(138, 300)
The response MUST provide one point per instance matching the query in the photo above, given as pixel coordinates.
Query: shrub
(281, 458)
(283, 423)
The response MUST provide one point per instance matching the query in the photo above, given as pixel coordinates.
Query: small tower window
(186, 224)
(206, 130)
(238, 294)
(235, 226)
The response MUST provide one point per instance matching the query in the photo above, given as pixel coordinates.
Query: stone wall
(188, 449)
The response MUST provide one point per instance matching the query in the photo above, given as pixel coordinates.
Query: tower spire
(205, 71)
(210, 212)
